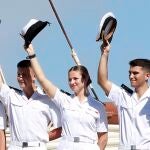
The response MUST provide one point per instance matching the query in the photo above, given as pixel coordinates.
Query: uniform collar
(144, 96)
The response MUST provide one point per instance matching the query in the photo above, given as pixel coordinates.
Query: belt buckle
(133, 147)
(76, 139)
(24, 144)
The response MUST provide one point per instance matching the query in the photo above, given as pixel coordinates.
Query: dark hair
(24, 64)
(145, 63)
(84, 72)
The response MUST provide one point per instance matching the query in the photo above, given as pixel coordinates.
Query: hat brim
(107, 27)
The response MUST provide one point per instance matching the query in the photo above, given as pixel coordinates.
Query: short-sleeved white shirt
(29, 118)
(2, 117)
(134, 116)
(81, 119)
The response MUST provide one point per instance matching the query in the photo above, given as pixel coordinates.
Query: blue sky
(81, 20)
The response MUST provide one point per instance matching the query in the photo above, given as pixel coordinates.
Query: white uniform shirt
(29, 118)
(2, 117)
(134, 116)
(81, 119)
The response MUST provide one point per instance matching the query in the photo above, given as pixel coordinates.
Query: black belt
(26, 144)
(133, 147)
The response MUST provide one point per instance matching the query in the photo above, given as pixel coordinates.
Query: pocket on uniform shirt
(40, 107)
(126, 109)
(93, 112)
(16, 104)
(70, 108)
(70, 112)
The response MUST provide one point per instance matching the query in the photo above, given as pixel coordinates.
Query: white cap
(29, 24)
(32, 28)
(107, 26)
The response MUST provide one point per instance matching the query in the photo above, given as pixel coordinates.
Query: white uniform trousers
(70, 145)
(134, 147)
(17, 146)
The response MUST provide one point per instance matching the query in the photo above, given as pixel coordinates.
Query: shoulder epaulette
(127, 89)
(65, 92)
(17, 90)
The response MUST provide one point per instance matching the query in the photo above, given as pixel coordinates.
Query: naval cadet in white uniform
(84, 122)
(29, 111)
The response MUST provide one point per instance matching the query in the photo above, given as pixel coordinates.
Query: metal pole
(2, 75)
(74, 55)
(60, 23)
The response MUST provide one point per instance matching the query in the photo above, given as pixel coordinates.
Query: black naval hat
(32, 28)
(107, 27)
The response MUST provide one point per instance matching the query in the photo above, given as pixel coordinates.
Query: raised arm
(47, 85)
(103, 69)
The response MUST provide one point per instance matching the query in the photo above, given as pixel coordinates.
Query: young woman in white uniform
(84, 123)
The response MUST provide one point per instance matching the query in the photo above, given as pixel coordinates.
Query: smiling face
(25, 77)
(79, 79)
(76, 82)
(139, 73)
(138, 76)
